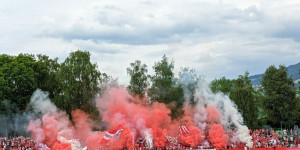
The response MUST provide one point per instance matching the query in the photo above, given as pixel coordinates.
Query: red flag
(111, 135)
(183, 130)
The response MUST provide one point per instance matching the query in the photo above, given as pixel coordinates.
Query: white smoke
(149, 139)
(188, 80)
(39, 133)
(41, 103)
(198, 89)
(59, 121)
(201, 114)
(145, 132)
(75, 144)
(230, 115)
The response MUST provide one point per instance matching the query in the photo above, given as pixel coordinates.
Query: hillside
(293, 71)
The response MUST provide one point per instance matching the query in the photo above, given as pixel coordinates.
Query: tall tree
(221, 85)
(162, 81)
(243, 95)
(79, 80)
(138, 78)
(280, 96)
(164, 89)
(48, 80)
(19, 78)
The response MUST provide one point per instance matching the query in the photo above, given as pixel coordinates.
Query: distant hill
(293, 70)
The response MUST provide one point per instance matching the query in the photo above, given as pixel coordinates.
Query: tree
(19, 78)
(279, 96)
(221, 85)
(162, 81)
(5, 89)
(243, 96)
(138, 78)
(49, 81)
(164, 89)
(79, 80)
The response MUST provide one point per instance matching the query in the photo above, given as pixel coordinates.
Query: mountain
(293, 71)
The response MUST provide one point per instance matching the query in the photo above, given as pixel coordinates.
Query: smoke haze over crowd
(210, 120)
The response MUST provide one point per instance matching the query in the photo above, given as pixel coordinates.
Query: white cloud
(217, 38)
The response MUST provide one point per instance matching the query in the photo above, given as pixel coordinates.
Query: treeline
(275, 103)
(73, 84)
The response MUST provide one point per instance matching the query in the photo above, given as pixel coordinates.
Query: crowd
(17, 143)
(262, 138)
(265, 138)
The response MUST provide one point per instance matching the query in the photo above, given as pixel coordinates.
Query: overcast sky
(216, 38)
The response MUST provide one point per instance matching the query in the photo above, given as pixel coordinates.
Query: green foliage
(19, 77)
(70, 85)
(138, 78)
(221, 85)
(297, 111)
(49, 67)
(241, 92)
(279, 100)
(262, 114)
(243, 96)
(162, 81)
(73, 83)
(164, 89)
(8, 107)
(79, 81)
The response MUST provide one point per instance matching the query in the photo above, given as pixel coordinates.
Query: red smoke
(119, 108)
(61, 146)
(194, 137)
(213, 115)
(217, 136)
(135, 116)
(159, 137)
(93, 141)
(82, 124)
(55, 125)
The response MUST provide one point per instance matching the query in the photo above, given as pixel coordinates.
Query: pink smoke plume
(217, 136)
(213, 115)
(127, 118)
(135, 115)
(194, 137)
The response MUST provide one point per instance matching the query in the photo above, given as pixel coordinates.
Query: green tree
(221, 85)
(243, 96)
(162, 81)
(19, 78)
(49, 81)
(79, 80)
(138, 78)
(279, 96)
(164, 89)
(5, 88)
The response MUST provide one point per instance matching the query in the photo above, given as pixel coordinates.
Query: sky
(217, 38)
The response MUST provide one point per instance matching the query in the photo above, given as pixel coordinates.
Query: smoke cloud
(230, 119)
(208, 121)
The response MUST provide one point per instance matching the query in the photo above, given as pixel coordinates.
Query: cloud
(217, 38)
(289, 30)
(100, 47)
(169, 22)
